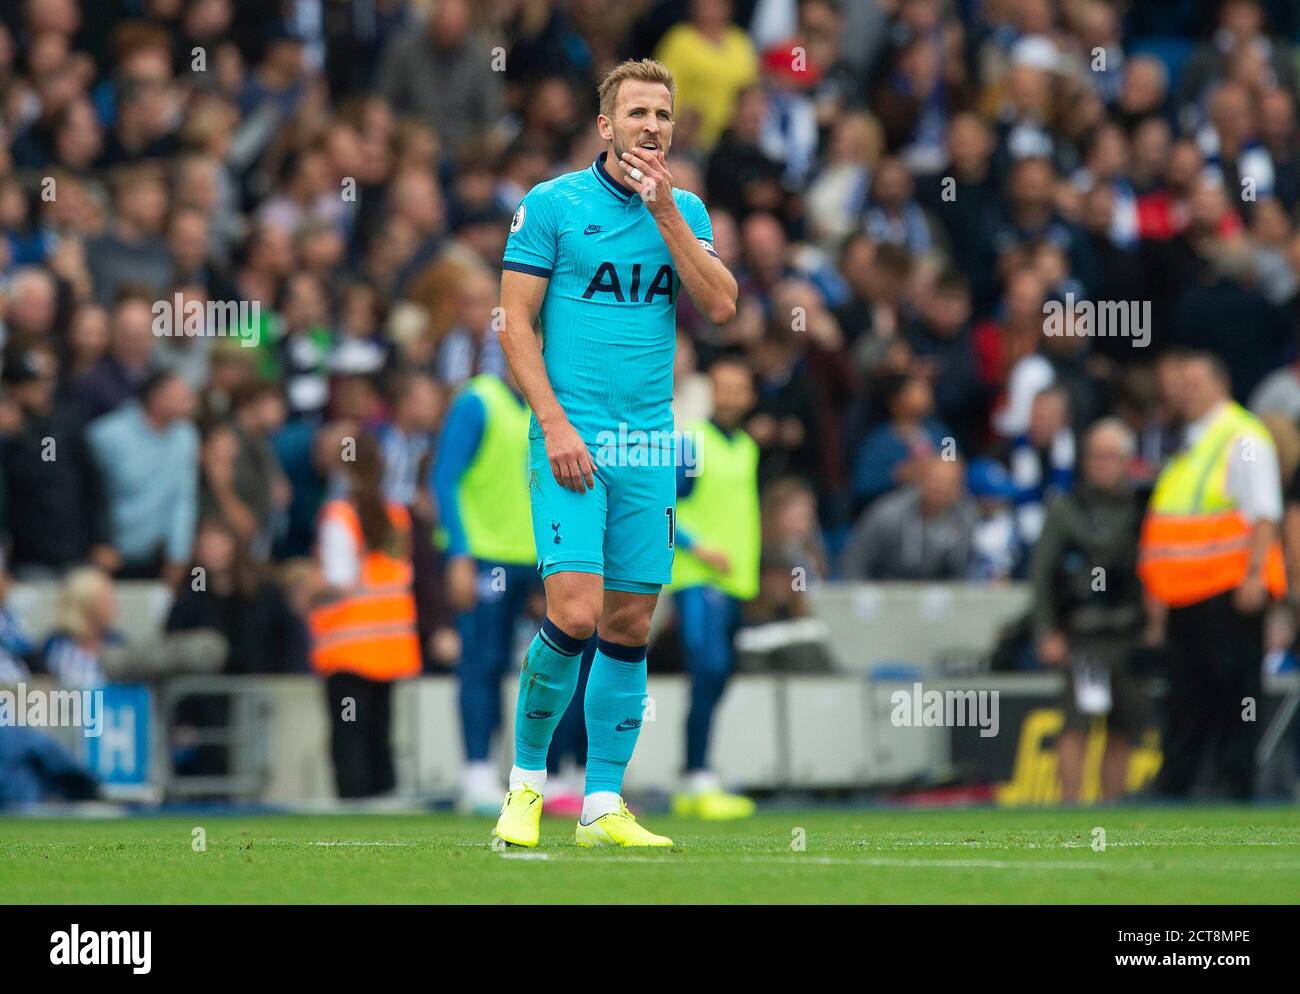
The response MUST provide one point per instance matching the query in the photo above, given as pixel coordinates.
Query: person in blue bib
(719, 539)
(599, 256)
(480, 479)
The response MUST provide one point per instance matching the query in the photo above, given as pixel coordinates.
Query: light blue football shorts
(623, 529)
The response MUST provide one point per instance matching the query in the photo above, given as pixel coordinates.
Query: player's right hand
(570, 460)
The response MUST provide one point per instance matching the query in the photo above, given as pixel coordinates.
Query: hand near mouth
(648, 171)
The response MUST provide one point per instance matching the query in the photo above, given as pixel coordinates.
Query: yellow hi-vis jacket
(1195, 542)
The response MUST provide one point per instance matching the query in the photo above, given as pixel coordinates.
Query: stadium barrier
(838, 731)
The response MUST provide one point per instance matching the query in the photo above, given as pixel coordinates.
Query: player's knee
(626, 628)
(575, 618)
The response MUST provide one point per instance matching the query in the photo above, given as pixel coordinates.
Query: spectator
(1031, 218)
(1210, 554)
(1234, 158)
(277, 86)
(308, 453)
(189, 240)
(83, 630)
(1143, 92)
(919, 532)
(785, 421)
(226, 591)
(443, 73)
(305, 344)
(89, 336)
(416, 405)
(358, 348)
(469, 347)
(147, 453)
(243, 484)
(1009, 360)
(712, 61)
(965, 199)
(53, 494)
(790, 531)
(186, 346)
(838, 193)
(940, 340)
(363, 624)
(1042, 461)
(1240, 26)
(893, 453)
(877, 278)
(996, 550)
(1230, 299)
(17, 653)
(892, 215)
(1088, 614)
(128, 361)
(309, 193)
(33, 307)
(134, 251)
(742, 177)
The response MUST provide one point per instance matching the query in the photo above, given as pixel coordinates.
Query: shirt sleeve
(1254, 479)
(461, 437)
(1028, 377)
(697, 216)
(1043, 563)
(340, 559)
(533, 240)
(185, 511)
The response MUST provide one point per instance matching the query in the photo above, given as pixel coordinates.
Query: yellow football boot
(712, 805)
(618, 828)
(520, 823)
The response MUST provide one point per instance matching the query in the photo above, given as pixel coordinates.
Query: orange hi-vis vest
(371, 630)
(1195, 543)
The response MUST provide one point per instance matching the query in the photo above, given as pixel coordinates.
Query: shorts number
(672, 525)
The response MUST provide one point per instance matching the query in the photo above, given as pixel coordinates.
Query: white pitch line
(286, 842)
(954, 864)
(880, 847)
(918, 844)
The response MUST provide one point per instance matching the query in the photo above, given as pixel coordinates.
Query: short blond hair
(80, 589)
(642, 70)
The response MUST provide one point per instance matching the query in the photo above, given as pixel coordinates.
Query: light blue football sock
(546, 683)
(615, 703)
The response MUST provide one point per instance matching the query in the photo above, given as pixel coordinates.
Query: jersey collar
(602, 174)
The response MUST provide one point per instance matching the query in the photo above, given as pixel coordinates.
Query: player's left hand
(656, 183)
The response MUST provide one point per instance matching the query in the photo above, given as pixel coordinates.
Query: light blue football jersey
(609, 315)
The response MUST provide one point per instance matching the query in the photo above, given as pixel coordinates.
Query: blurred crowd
(902, 187)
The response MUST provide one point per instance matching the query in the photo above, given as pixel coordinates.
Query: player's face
(643, 117)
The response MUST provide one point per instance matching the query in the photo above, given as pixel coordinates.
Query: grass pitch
(1152, 855)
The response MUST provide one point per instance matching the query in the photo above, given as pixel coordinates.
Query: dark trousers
(361, 715)
(1214, 654)
(487, 634)
(708, 619)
